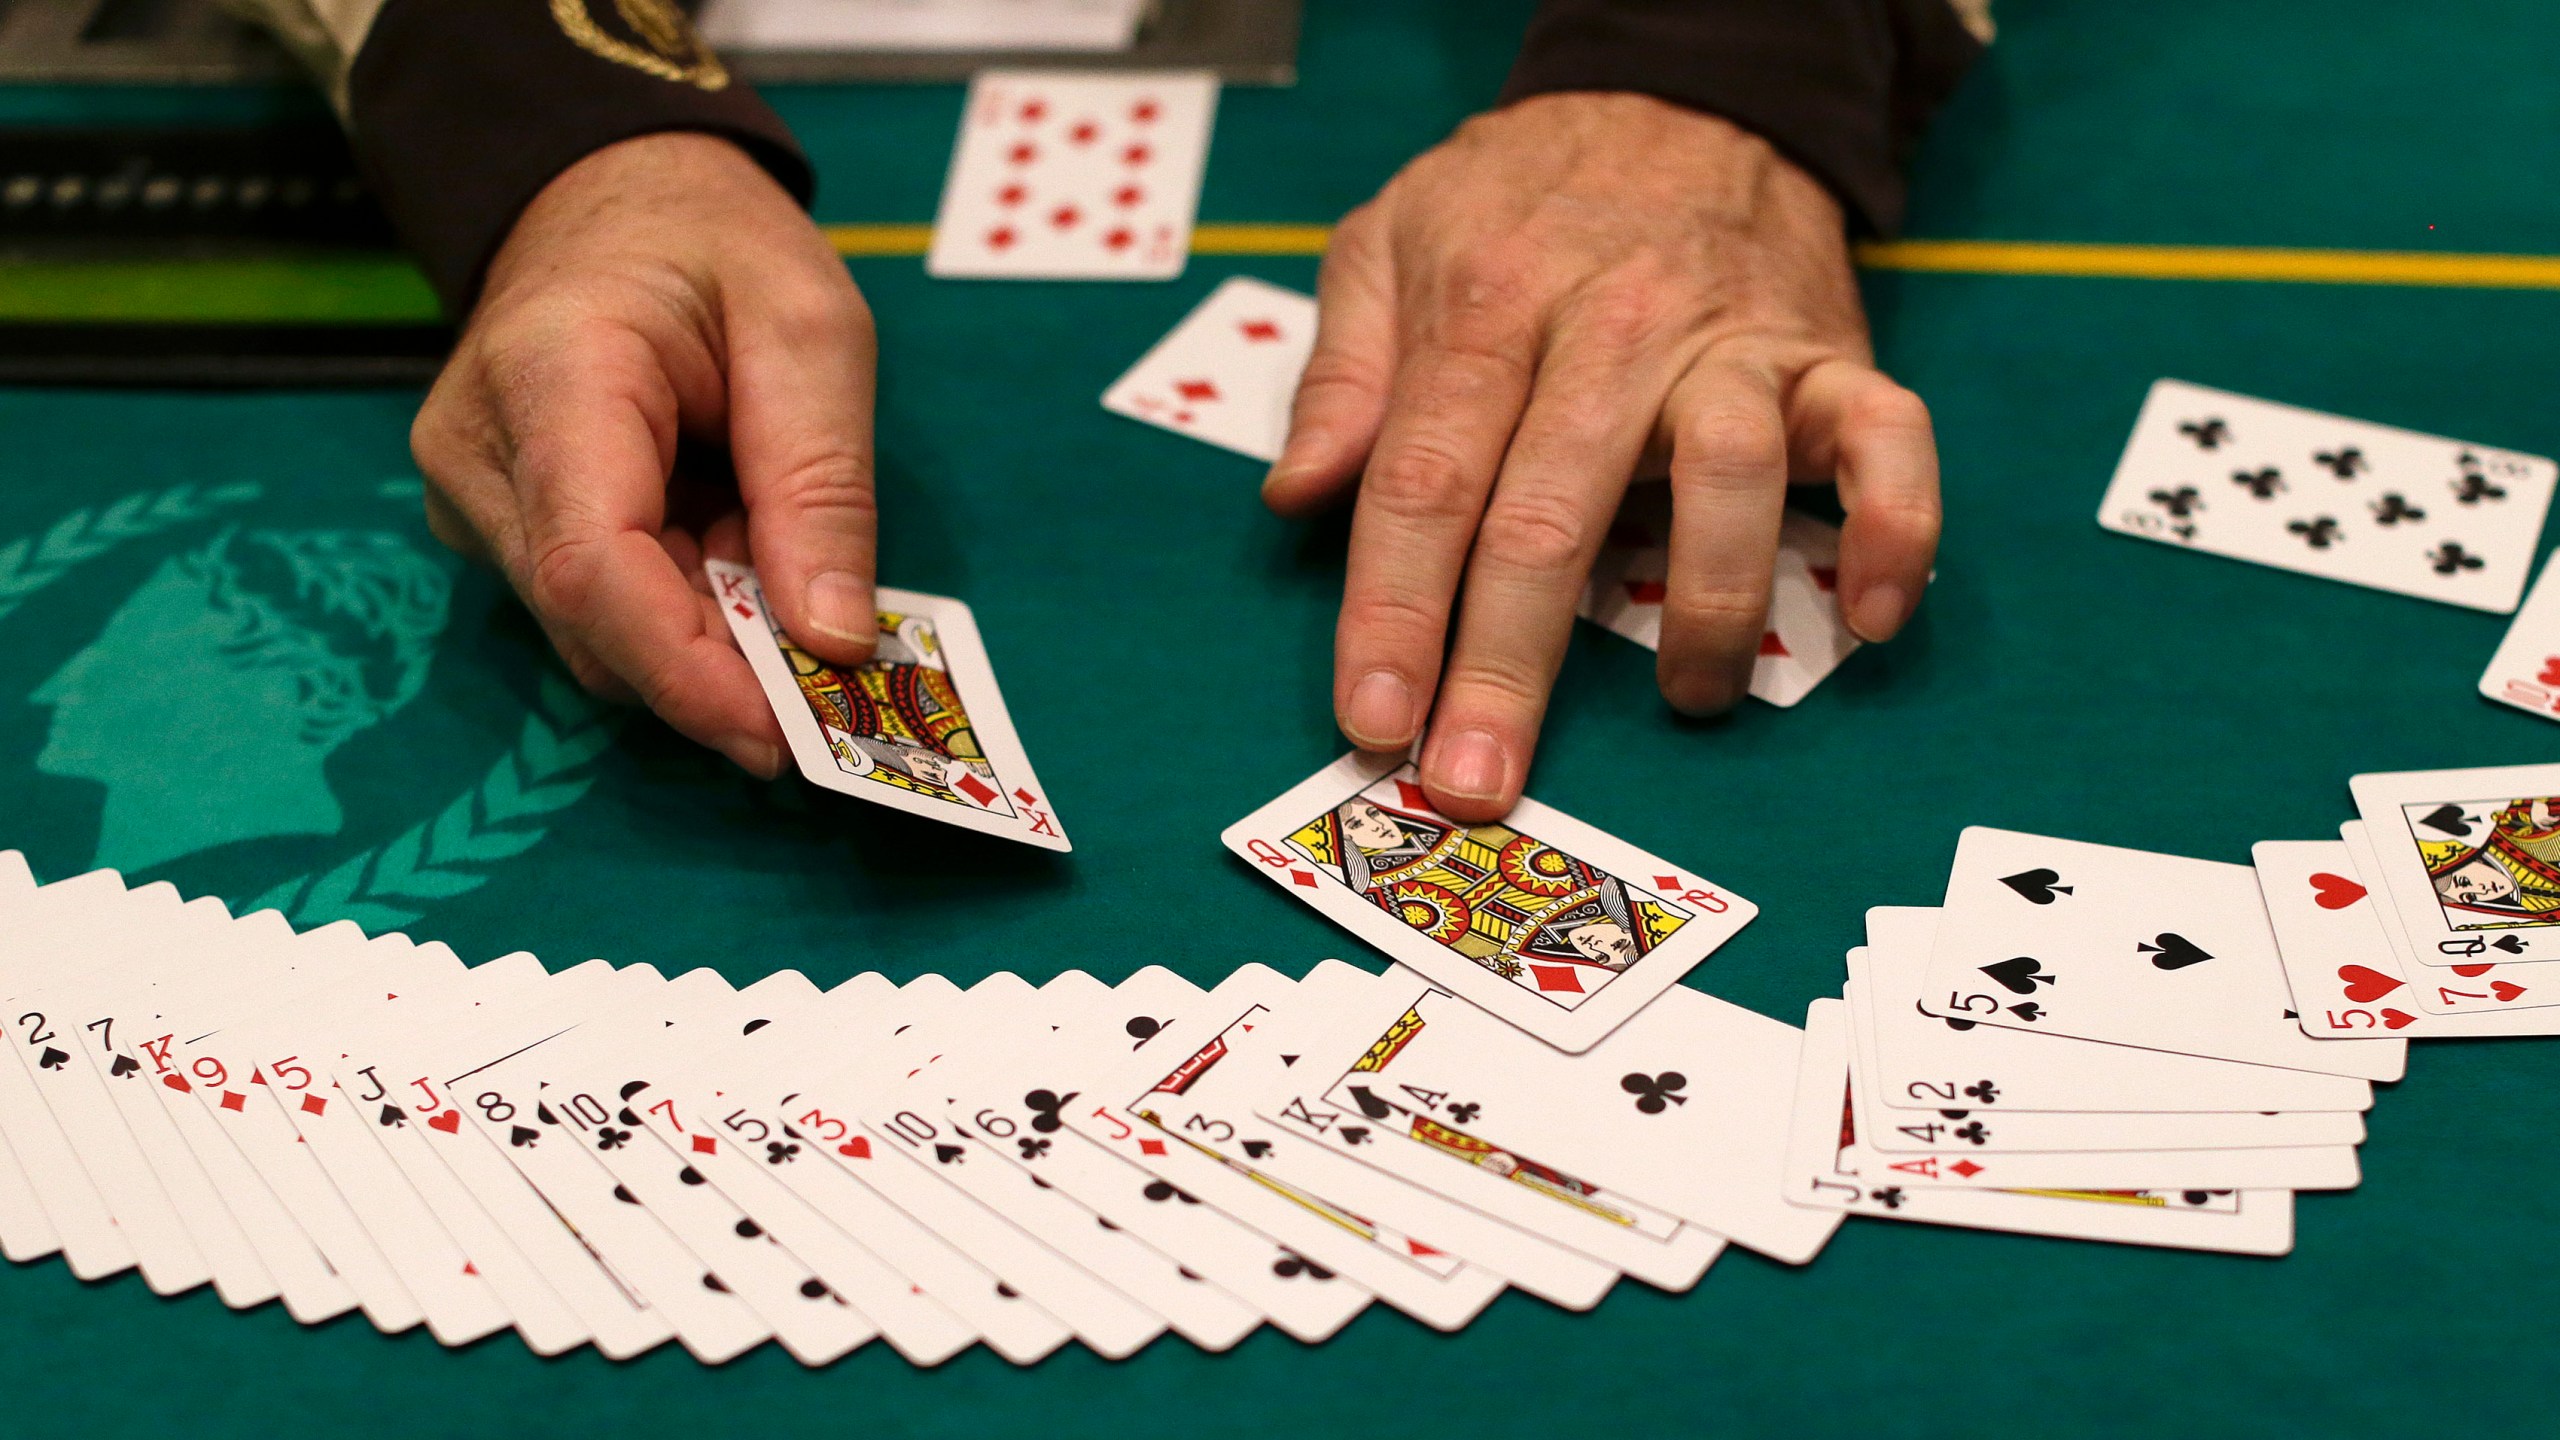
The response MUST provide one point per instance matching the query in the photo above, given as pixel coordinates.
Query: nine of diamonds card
(1556, 927)
(921, 728)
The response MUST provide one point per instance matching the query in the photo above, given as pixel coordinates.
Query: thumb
(1342, 396)
(800, 378)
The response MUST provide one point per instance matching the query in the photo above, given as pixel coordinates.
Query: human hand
(664, 288)
(1568, 292)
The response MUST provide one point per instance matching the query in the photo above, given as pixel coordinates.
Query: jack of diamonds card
(1556, 927)
(1065, 176)
(2325, 495)
(921, 728)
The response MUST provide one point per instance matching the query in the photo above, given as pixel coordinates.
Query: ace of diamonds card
(2324, 495)
(921, 728)
(1065, 176)
(1550, 924)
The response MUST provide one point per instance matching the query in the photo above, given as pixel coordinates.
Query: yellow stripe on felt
(1957, 257)
(2214, 262)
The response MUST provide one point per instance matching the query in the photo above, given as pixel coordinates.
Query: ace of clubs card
(920, 728)
(1548, 923)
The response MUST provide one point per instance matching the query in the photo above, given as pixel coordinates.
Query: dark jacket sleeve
(1841, 87)
(462, 110)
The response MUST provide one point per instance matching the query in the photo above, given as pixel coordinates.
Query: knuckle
(1724, 616)
(560, 580)
(1728, 445)
(836, 481)
(1510, 685)
(1535, 533)
(1394, 620)
(1889, 407)
(1421, 481)
(1622, 314)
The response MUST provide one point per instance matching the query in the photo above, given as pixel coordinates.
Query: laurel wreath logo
(30, 563)
(382, 888)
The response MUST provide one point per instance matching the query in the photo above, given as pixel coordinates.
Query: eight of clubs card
(2324, 495)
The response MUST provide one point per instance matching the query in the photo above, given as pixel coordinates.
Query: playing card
(2324, 495)
(2470, 860)
(1209, 1102)
(840, 1170)
(1325, 1241)
(921, 728)
(1926, 1062)
(1002, 1013)
(1546, 922)
(830, 1101)
(555, 1148)
(2525, 672)
(607, 1067)
(1990, 1129)
(1015, 1094)
(419, 1059)
(2125, 946)
(1829, 1167)
(1228, 372)
(1059, 175)
(1804, 639)
(1685, 1107)
(2347, 979)
(61, 920)
(743, 1152)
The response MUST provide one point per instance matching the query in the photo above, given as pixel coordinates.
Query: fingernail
(760, 758)
(840, 605)
(1473, 767)
(1379, 714)
(1880, 612)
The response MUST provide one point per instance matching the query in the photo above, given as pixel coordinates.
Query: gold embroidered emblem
(662, 41)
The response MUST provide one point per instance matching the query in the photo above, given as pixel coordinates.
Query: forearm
(1841, 87)
(460, 111)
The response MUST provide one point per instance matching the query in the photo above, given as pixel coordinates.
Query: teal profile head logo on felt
(209, 704)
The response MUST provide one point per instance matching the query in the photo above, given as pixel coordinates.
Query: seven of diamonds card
(1067, 176)
(1550, 924)
(2324, 495)
(921, 728)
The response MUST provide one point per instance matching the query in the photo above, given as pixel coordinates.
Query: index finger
(593, 441)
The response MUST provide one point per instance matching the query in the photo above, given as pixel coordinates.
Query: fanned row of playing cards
(620, 1158)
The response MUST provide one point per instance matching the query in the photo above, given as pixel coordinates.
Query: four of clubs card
(920, 728)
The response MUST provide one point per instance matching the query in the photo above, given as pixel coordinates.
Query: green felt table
(1164, 645)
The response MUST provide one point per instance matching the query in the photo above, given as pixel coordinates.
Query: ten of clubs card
(1548, 923)
(2324, 495)
(921, 728)
(1066, 176)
